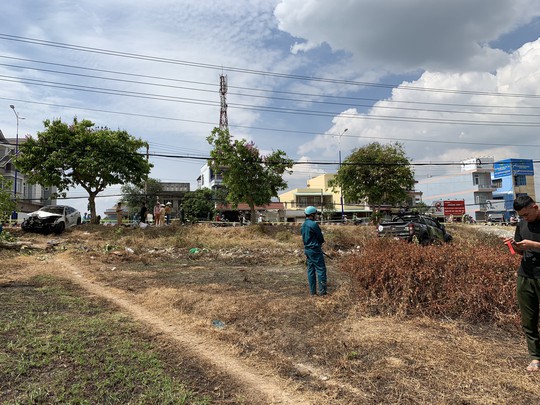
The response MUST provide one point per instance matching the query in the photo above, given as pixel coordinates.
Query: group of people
(161, 213)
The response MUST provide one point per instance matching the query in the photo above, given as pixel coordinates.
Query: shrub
(470, 279)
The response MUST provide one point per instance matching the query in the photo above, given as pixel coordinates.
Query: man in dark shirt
(143, 212)
(526, 242)
(313, 239)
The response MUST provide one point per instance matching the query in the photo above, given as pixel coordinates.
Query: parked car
(52, 218)
(414, 227)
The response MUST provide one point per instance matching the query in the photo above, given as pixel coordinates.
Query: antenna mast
(223, 121)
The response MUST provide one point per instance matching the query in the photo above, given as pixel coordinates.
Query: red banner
(454, 207)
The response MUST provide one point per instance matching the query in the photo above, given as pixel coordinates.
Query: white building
(473, 184)
(209, 179)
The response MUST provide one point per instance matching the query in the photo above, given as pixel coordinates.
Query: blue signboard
(502, 169)
(513, 167)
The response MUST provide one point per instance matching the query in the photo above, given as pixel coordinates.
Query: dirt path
(258, 385)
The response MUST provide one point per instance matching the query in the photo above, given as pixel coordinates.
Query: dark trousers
(316, 269)
(528, 295)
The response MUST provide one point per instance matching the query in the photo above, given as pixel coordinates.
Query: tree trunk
(254, 218)
(92, 206)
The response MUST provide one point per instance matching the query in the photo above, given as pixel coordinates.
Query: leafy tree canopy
(134, 195)
(199, 205)
(79, 154)
(379, 174)
(249, 177)
(7, 203)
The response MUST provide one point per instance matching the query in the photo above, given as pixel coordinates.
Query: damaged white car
(52, 218)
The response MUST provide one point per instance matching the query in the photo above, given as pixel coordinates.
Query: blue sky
(451, 80)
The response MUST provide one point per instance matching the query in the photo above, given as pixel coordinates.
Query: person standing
(119, 213)
(157, 210)
(168, 209)
(526, 242)
(143, 212)
(161, 214)
(313, 239)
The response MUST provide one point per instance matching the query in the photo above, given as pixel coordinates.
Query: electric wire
(269, 109)
(298, 100)
(349, 135)
(129, 55)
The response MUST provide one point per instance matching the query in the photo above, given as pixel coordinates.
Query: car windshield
(404, 218)
(53, 210)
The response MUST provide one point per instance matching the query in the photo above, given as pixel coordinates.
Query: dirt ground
(242, 319)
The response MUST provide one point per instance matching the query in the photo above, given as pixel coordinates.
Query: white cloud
(398, 35)
(438, 117)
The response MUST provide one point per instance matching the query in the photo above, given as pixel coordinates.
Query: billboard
(513, 167)
(453, 207)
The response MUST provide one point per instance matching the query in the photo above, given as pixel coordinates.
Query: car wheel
(59, 228)
(425, 240)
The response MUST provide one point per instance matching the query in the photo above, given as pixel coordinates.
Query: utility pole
(16, 154)
(340, 192)
(146, 180)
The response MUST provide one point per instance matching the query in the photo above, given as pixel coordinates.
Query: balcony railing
(487, 186)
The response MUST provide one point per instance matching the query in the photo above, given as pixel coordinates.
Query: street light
(340, 192)
(16, 149)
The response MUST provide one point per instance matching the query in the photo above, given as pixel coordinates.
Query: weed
(65, 349)
(7, 237)
(471, 279)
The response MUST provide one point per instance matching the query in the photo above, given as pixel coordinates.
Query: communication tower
(223, 121)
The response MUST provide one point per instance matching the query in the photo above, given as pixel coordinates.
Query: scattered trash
(197, 250)
(218, 324)
(130, 250)
(108, 247)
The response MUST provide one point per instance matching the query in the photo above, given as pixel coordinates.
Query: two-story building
(30, 197)
(173, 193)
(320, 194)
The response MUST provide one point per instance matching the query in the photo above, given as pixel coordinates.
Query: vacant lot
(225, 313)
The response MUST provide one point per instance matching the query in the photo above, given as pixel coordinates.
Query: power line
(281, 110)
(342, 104)
(264, 128)
(304, 162)
(102, 51)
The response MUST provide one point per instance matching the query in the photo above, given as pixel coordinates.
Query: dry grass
(331, 348)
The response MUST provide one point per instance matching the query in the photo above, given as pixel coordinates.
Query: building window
(476, 179)
(520, 180)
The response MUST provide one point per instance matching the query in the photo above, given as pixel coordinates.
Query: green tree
(134, 195)
(379, 174)
(7, 203)
(199, 205)
(421, 207)
(249, 177)
(80, 154)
